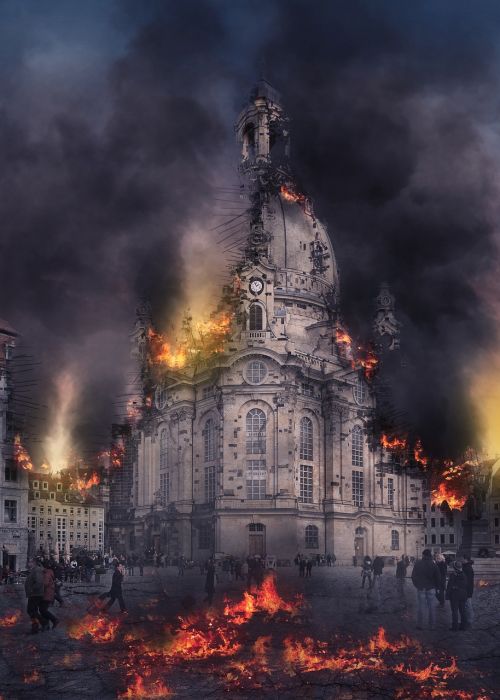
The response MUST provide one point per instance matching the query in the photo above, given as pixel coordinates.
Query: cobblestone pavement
(55, 665)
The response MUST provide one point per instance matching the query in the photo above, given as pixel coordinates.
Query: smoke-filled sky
(116, 135)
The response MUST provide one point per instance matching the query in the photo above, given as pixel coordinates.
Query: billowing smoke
(116, 133)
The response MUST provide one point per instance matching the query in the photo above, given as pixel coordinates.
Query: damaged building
(264, 443)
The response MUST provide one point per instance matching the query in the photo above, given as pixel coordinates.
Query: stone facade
(13, 479)
(266, 447)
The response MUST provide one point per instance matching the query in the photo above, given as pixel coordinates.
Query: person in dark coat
(49, 594)
(468, 570)
(366, 572)
(115, 592)
(443, 571)
(456, 593)
(401, 568)
(34, 592)
(309, 566)
(210, 582)
(426, 579)
(302, 566)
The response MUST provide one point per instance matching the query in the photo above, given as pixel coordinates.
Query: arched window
(255, 372)
(394, 539)
(164, 449)
(359, 390)
(306, 438)
(312, 540)
(256, 432)
(255, 317)
(209, 440)
(249, 141)
(357, 446)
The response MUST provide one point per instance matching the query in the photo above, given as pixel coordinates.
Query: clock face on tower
(256, 285)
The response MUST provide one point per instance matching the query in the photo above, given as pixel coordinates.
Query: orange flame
(290, 195)
(99, 629)
(141, 689)
(444, 493)
(10, 619)
(418, 454)
(482, 583)
(83, 485)
(393, 443)
(21, 454)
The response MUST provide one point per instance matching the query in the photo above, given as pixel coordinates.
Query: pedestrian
(426, 579)
(309, 566)
(115, 592)
(210, 582)
(34, 592)
(180, 566)
(302, 566)
(443, 570)
(378, 567)
(141, 565)
(238, 570)
(250, 571)
(49, 593)
(468, 570)
(456, 593)
(318, 560)
(366, 572)
(401, 568)
(328, 560)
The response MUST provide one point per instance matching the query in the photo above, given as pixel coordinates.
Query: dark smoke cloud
(113, 123)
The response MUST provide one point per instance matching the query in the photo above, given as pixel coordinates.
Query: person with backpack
(456, 593)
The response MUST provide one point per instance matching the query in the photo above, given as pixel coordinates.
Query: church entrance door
(256, 539)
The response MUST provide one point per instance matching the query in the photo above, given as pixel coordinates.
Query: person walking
(468, 570)
(180, 566)
(443, 571)
(115, 592)
(426, 579)
(309, 566)
(33, 588)
(210, 582)
(302, 566)
(49, 594)
(140, 562)
(401, 568)
(366, 572)
(456, 593)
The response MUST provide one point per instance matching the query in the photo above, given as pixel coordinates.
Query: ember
(482, 583)
(418, 454)
(393, 443)
(21, 454)
(453, 486)
(85, 484)
(290, 196)
(99, 629)
(141, 689)
(10, 619)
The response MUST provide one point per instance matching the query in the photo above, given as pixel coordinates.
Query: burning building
(14, 464)
(255, 432)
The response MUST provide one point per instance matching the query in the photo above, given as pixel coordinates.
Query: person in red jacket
(49, 594)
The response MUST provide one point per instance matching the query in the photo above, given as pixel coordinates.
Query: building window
(256, 479)
(255, 317)
(52, 496)
(306, 483)
(357, 489)
(307, 389)
(497, 539)
(163, 449)
(433, 539)
(161, 397)
(357, 446)
(495, 507)
(209, 441)
(441, 539)
(452, 539)
(37, 494)
(394, 539)
(312, 539)
(164, 488)
(10, 511)
(425, 539)
(390, 492)
(208, 392)
(433, 522)
(424, 507)
(359, 391)
(441, 522)
(35, 484)
(306, 439)
(496, 522)
(59, 487)
(433, 508)
(256, 372)
(209, 484)
(205, 537)
(256, 527)
(256, 432)
(10, 470)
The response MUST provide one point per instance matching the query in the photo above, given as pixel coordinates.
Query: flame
(10, 619)
(343, 337)
(290, 196)
(393, 443)
(99, 629)
(141, 689)
(83, 485)
(444, 493)
(482, 583)
(359, 357)
(33, 677)
(133, 411)
(418, 454)
(453, 486)
(21, 455)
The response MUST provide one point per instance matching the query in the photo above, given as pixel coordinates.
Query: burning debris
(87, 483)
(393, 444)
(10, 619)
(100, 630)
(140, 688)
(358, 356)
(21, 455)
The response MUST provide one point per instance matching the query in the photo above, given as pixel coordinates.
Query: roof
(6, 328)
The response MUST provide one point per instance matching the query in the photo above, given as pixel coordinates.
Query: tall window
(394, 539)
(209, 440)
(306, 439)
(10, 470)
(357, 446)
(256, 479)
(164, 449)
(210, 483)
(390, 492)
(359, 391)
(312, 540)
(255, 317)
(357, 489)
(205, 537)
(306, 483)
(10, 511)
(256, 432)
(165, 487)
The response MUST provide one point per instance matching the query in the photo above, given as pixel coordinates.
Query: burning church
(256, 431)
